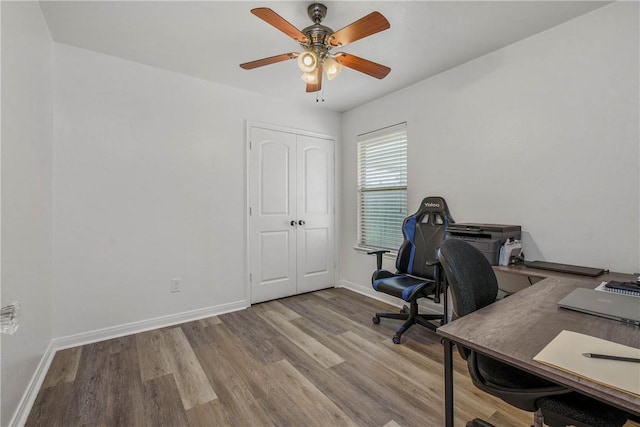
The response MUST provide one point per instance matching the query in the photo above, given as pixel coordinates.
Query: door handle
(301, 222)
(293, 223)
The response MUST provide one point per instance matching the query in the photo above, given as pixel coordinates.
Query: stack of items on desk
(628, 288)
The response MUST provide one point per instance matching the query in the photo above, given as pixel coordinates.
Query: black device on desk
(625, 287)
(565, 268)
(487, 238)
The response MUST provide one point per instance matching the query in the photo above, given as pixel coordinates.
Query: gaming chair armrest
(438, 278)
(378, 253)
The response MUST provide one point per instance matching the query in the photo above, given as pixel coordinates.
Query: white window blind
(382, 187)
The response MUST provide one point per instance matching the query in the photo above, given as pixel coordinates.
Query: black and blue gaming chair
(417, 274)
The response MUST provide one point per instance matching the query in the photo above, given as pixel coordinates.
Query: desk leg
(448, 383)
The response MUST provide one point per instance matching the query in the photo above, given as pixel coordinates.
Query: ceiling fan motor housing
(318, 36)
(317, 12)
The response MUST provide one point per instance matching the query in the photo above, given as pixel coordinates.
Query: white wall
(150, 183)
(27, 135)
(543, 133)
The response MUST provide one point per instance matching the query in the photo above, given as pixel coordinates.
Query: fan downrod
(317, 12)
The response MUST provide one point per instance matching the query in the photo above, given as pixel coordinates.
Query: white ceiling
(209, 39)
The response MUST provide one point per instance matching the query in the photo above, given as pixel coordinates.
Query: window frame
(390, 135)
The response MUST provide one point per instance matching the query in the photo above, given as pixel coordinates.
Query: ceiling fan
(317, 41)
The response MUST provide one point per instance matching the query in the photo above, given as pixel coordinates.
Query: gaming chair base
(412, 317)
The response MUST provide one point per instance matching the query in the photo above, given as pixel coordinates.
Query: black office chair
(417, 274)
(473, 285)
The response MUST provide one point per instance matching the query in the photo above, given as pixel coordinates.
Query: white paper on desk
(565, 352)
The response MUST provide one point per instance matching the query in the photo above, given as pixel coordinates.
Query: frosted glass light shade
(307, 61)
(310, 78)
(331, 67)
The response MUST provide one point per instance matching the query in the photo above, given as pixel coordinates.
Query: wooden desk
(515, 329)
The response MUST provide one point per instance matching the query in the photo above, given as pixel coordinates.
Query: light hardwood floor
(309, 360)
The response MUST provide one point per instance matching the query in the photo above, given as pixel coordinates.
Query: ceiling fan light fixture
(310, 78)
(331, 67)
(307, 61)
(316, 42)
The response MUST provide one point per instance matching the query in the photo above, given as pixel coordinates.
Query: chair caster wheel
(375, 320)
(396, 339)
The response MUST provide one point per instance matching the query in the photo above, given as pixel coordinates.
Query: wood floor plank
(336, 323)
(325, 293)
(279, 306)
(395, 358)
(192, 383)
(210, 321)
(197, 332)
(295, 401)
(402, 401)
(350, 396)
(238, 379)
(308, 344)
(88, 403)
(63, 367)
(50, 406)
(124, 343)
(153, 361)
(241, 367)
(124, 397)
(162, 403)
(256, 334)
(356, 307)
(210, 414)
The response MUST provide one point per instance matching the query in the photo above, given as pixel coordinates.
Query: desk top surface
(523, 270)
(516, 328)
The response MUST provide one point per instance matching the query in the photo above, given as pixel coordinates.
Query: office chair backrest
(423, 232)
(470, 277)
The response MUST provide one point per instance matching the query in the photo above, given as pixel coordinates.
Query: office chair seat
(417, 272)
(567, 409)
(404, 287)
(503, 375)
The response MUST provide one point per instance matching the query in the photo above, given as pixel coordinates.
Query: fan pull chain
(318, 99)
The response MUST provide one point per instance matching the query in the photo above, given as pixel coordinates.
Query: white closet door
(272, 198)
(315, 260)
(291, 221)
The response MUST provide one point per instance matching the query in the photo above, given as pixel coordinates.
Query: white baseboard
(145, 325)
(24, 407)
(29, 397)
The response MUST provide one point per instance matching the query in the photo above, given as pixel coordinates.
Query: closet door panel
(272, 194)
(315, 172)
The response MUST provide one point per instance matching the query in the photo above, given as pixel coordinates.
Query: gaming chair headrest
(434, 205)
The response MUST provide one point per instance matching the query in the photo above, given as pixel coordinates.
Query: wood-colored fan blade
(270, 60)
(270, 17)
(315, 87)
(363, 27)
(371, 68)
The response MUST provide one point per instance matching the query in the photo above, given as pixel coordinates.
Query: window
(382, 187)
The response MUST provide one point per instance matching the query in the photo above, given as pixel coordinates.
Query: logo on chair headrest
(431, 205)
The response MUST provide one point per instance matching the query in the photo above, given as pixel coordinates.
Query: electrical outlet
(176, 285)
